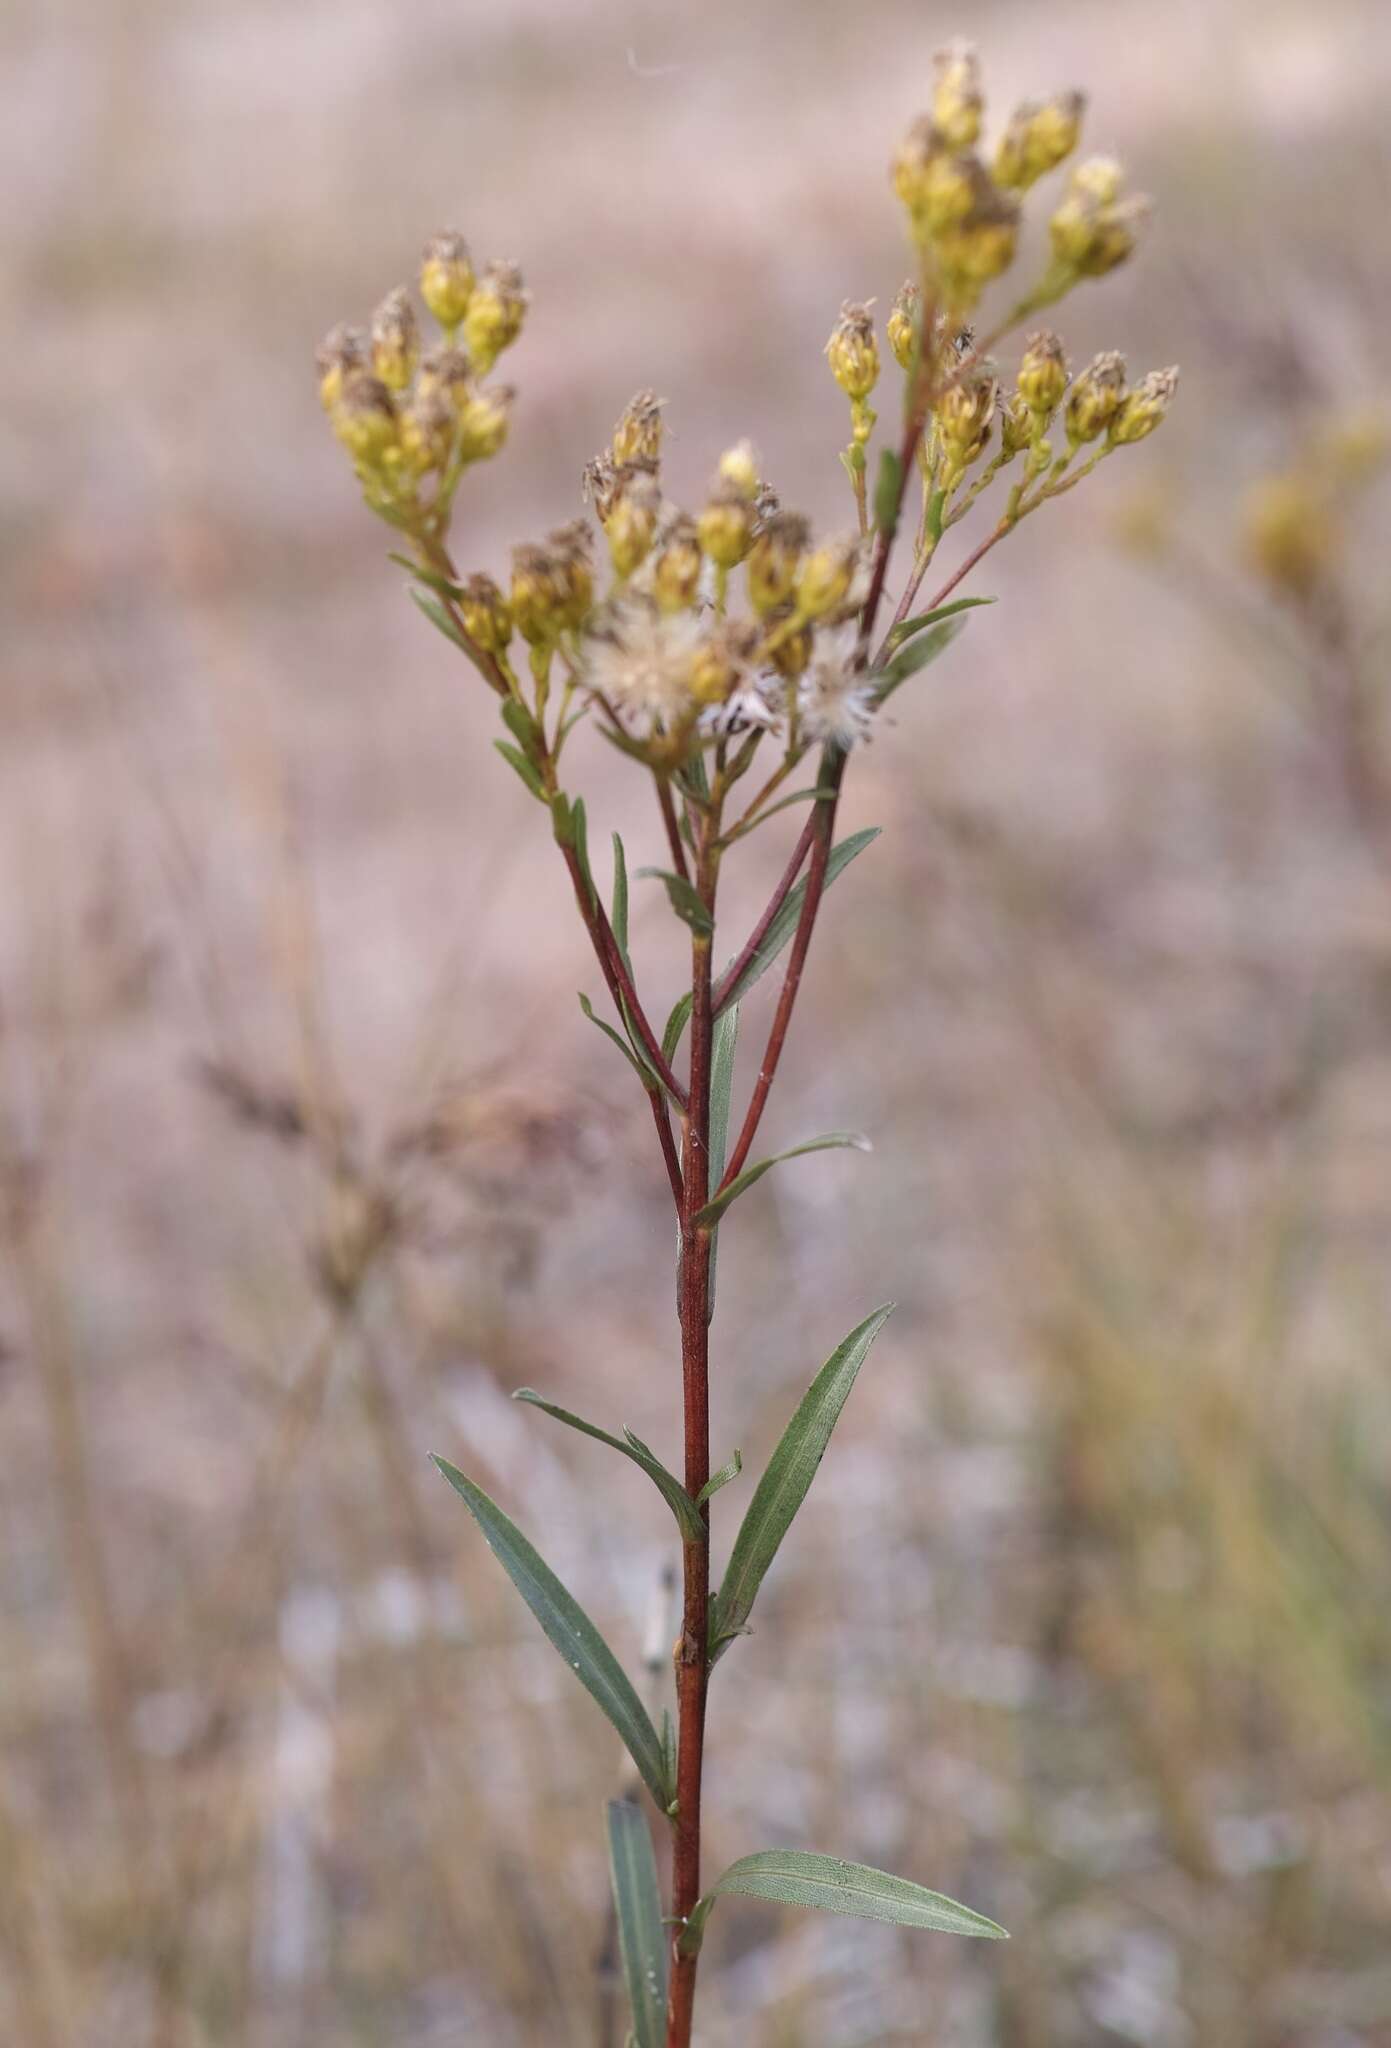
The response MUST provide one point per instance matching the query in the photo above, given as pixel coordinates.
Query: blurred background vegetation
(306, 1160)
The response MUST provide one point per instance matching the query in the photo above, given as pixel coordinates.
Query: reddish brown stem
(673, 830)
(693, 1306)
(668, 1145)
(615, 972)
(738, 967)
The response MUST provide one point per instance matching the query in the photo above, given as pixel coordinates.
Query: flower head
(835, 702)
(640, 661)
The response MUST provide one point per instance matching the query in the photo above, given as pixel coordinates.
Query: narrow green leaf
(721, 1088)
(832, 1141)
(570, 1629)
(523, 727)
(799, 1877)
(944, 611)
(936, 510)
(888, 493)
(682, 896)
(644, 1073)
(916, 655)
(562, 823)
(783, 1487)
(668, 1732)
(619, 915)
(580, 829)
(440, 620)
(642, 1938)
(514, 758)
(667, 1484)
(428, 576)
(785, 923)
(676, 1023)
(798, 796)
(721, 1478)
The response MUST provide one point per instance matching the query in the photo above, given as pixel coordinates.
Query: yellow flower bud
(1016, 426)
(446, 277)
(1288, 539)
(726, 525)
(1142, 409)
(366, 422)
(722, 659)
(774, 559)
(920, 147)
(957, 103)
(825, 577)
(395, 343)
(630, 524)
(446, 369)
(571, 547)
(486, 614)
(739, 469)
(978, 249)
(963, 414)
(1094, 229)
(853, 352)
(638, 434)
(677, 565)
(950, 190)
(792, 645)
(552, 585)
(342, 351)
(427, 429)
(1355, 447)
(904, 324)
(1043, 373)
(496, 309)
(1037, 139)
(1095, 398)
(483, 421)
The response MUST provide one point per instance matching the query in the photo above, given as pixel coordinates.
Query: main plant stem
(693, 1308)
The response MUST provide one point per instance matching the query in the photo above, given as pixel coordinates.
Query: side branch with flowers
(724, 649)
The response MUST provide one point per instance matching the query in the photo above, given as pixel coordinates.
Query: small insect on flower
(835, 704)
(639, 661)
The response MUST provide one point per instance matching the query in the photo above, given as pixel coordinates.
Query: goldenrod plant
(718, 649)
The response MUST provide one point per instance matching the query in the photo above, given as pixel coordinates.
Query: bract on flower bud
(774, 559)
(630, 524)
(853, 351)
(366, 422)
(1095, 398)
(957, 102)
(486, 614)
(638, 434)
(446, 277)
(825, 577)
(496, 309)
(483, 421)
(1043, 373)
(395, 342)
(427, 429)
(677, 565)
(1016, 426)
(1142, 409)
(1038, 138)
(722, 660)
(342, 350)
(904, 324)
(738, 468)
(726, 525)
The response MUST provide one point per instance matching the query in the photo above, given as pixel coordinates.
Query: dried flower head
(446, 277)
(1095, 397)
(853, 351)
(342, 350)
(496, 309)
(637, 437)
(639, 661)
(1142, 409)
(1039, 136)
(395, 340)
(957, 100)
(366, 421)
(835, 703)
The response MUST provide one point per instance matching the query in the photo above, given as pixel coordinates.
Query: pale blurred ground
(1087, 1618)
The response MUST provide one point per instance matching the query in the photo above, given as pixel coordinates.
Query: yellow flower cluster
(406, 417)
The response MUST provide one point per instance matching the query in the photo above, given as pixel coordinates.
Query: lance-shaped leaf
(783, 1487)
(888, 493)
(441, 621)
(722, 1477)
(667, 1484)
(833, 1141)
(642, 1938)
(683, 897)
(516, 759)
(645, 1075)
(918, 653)
(798, 796)
(430, 576)
(908, 627)
(784, 924)
(572, 1632)
(800, 1877)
